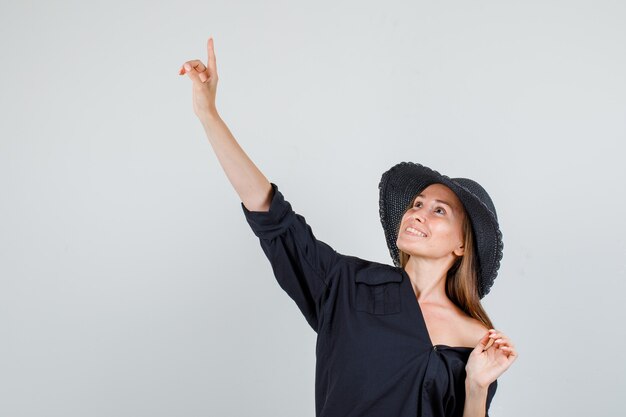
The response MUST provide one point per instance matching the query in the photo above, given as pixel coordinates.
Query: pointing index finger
(211, 55)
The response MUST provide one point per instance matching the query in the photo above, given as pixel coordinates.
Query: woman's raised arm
(253, 187)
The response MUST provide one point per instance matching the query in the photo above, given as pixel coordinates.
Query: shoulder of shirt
(365, 263)
(372, 272)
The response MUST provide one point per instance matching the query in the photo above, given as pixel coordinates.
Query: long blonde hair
(462, 277)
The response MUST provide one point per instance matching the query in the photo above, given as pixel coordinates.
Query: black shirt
(374, 356)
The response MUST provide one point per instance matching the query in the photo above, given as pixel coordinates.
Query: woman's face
(438, 213)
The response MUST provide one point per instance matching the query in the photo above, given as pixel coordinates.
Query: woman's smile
(414, 232)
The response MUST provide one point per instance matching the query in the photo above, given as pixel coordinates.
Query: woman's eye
(417, 204)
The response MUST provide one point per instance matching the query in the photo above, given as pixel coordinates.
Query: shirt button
(435, 347)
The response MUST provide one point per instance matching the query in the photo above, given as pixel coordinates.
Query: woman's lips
(411, 233)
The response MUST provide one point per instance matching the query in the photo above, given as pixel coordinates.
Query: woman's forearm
(475, 400)
(253, 187)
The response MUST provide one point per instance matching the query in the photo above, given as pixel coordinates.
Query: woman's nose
(419, 217)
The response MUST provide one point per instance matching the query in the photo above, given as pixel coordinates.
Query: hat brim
(402, 182)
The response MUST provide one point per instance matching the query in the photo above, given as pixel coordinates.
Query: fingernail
(187, 67)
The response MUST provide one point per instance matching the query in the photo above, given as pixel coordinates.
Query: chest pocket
(377, 290)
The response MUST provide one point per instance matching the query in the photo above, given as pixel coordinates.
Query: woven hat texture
(403, 181)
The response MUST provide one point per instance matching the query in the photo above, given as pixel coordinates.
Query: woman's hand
(204, 82)
(484, 367)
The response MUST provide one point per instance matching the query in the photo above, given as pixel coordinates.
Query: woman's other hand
(204, 78)
(485, 366)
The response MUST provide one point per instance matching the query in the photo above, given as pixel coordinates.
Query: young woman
(392, 341)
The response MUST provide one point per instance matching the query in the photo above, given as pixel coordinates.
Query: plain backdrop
(130, 282)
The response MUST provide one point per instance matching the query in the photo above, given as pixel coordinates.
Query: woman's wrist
(209, 116)
(475, 399)
(475, 388)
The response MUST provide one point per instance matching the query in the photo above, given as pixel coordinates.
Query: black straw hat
(405, 180)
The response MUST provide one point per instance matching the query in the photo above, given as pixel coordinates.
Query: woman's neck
(428, 278)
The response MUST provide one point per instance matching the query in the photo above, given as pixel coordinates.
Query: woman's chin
(410, 250)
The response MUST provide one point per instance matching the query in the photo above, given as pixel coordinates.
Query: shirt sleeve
(301, 263)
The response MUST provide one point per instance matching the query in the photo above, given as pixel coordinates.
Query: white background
(130, 282)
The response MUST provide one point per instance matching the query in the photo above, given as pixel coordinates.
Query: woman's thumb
(483, 344)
